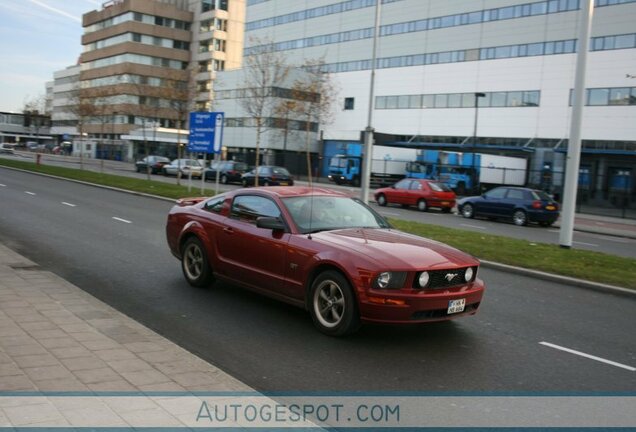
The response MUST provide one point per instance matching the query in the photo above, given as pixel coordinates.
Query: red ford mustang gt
(324, 251)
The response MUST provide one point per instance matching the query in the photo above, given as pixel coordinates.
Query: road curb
(580, 283)
(489, 264)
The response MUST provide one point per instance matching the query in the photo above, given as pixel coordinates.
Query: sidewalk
(604, 225)
(54, 337)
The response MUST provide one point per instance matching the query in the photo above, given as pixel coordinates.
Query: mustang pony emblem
(450, 276)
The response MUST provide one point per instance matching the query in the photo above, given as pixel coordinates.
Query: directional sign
(206, 132)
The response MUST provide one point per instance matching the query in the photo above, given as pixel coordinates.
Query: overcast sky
(37, 37)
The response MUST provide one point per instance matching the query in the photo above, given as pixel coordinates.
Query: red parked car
(324, 251)
(417, 192)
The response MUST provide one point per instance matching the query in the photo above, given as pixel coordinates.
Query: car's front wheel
(333, 305)
(224, 179)
(381, 200)
(244, 183)
(468, 211)
(194, 263)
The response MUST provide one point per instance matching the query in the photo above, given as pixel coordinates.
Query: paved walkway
(604, 225)
(54, 337)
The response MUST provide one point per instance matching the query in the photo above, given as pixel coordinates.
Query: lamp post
(473, 177)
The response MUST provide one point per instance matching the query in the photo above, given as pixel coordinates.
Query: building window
(348, 103)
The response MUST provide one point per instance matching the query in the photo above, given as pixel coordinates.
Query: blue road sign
(206, 132)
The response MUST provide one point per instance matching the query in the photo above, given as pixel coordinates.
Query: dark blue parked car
(521, 205)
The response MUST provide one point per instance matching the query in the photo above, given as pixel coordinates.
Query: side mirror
(272, 223)
(392, 186)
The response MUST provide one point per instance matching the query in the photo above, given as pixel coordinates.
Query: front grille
(442, 278)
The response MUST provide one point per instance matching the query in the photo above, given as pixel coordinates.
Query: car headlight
(423, 279)
(390, 280)
(384, 279)
(468, 276)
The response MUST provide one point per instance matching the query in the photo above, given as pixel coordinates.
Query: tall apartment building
(433, 56)
(146, 63)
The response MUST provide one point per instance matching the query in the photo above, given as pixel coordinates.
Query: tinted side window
(250, 207)
(496, 193)
(403, 184)
(215, 204)
(515, 194)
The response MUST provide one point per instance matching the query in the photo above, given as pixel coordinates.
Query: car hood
(396, 249)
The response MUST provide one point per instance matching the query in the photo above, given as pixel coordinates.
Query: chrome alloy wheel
(193, 261)
(329, 303)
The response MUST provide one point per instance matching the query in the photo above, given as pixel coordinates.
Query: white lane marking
(554, 230)
(121, 220)
(585, 244)
(612, 239)
(582, 354)
(69, 204)
(473, 226)
(3, 185)
(29, 193)
(389, 214)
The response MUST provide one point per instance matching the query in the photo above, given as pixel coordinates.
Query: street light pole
(368, 131)
(473, 176)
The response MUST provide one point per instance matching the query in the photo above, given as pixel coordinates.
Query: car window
(280, 171)
(240, 166)
(250, 207)
(496, 193)
(263, 171)
(416, 186)
(515, 194)
(403, 184)
(439, 187)
(215, 204)
(541, 195)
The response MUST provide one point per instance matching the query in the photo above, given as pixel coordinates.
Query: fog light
(423, 279)
(468, 276)
(384, 279)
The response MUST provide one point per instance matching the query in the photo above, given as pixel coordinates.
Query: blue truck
(388, 164)
(456, 169)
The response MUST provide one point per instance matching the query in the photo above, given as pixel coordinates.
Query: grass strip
(134, 184)
(577, 263)
(587, 265)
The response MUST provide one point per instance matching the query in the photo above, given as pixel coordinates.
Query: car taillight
(232, 172)
(537, 204)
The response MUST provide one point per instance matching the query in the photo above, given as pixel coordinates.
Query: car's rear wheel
(468, 211)
(266, 183)
(421, 205)
(520, 218)
(194, 263)
(224, 179)
(333, 305)
(381, 200)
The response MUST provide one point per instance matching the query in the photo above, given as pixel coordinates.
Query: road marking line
(69, 204)
(474, 226)
(582, 354)
(3, 185)
(615, 240)
(390, 214)
(121, 220)
(585, 244)
(554, 230)
(30, 193)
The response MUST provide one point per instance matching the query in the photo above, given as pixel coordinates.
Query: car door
(490, 203)
(515, 198)
(256, 256)
(418, 191)
(400, 192)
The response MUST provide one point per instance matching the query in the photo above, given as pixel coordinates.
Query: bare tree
(314, 94)
(263, 71)
(34, 112)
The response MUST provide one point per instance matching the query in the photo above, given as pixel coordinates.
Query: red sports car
(324, 251)
(417, 192)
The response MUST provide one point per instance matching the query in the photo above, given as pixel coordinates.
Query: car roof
(293, 191)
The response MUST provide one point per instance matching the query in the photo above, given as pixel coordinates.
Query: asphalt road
(533, 233)
(113, 245)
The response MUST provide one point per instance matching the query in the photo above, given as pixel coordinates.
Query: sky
(37, 38)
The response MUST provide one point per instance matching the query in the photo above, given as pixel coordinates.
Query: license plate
(284, 183)
(445, 203)
(549, 207)
(456, 306)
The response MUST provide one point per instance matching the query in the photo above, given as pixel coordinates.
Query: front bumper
(419, 306)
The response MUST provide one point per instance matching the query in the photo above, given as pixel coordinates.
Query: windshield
(541, 195)
(324, 213)
(338, 162)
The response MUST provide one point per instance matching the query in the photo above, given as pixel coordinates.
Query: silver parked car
(184, 166)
